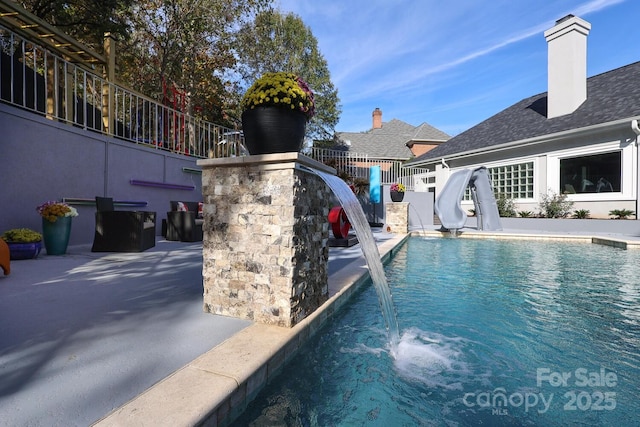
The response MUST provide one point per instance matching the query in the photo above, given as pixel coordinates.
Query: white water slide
(447, 206)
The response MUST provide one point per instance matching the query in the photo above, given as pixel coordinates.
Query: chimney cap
(565, 18)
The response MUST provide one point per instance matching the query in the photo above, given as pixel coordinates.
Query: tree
(187, 43)
(160, 43)
(274, 42)
(84, 20)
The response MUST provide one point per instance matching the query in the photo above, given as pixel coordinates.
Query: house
(579, 138)
(393, 140)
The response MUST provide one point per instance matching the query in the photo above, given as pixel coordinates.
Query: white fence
(357, 166)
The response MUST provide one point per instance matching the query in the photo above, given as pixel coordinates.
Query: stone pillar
(397, 217)
(265, 249)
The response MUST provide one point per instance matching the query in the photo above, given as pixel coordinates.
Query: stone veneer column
(397, 217)
(265, 249)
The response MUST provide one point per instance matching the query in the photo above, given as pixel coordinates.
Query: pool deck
(121, 339)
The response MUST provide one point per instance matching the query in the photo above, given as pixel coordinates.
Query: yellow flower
(282, 90)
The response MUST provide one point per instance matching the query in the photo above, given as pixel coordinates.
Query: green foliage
(506, 206)
(275, 42)
(525, 214)
(84, 20)
(21, 235)
(162, 43)
(581, 213)
(360, 186)
(621, 213)
(555, 205)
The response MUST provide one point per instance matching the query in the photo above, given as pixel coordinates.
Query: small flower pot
(396, 196)
(24, 250)
(56, 235)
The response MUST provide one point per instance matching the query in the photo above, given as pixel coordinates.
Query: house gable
(392, 140)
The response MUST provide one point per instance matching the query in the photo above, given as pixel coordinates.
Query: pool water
(497, 333)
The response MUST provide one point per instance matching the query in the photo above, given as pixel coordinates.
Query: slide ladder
(447, 205)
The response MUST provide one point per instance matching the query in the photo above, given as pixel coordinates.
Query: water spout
(360, 224)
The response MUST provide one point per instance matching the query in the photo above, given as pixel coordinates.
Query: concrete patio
(84, 333)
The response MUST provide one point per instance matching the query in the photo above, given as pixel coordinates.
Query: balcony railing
(35, 79)
(357, 166)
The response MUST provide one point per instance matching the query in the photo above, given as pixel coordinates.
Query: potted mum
(23, 243)
(396, 191)
(275, 112)
(56, 225)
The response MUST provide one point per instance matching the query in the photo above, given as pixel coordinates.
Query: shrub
(621, 213)
(21, 235)
(581, 213)
(506, 206)
(525, 214)
(555, 205)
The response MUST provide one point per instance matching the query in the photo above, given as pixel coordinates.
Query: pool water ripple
(488, 329)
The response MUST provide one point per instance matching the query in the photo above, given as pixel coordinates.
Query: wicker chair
(184, 226)
(122, 231)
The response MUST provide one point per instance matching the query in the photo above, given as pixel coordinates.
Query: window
(513, 181)
(591, 174)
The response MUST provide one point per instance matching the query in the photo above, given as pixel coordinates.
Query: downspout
(636, 130)
(447, 166)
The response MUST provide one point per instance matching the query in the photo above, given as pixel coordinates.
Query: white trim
(627, 170)
(624, 124)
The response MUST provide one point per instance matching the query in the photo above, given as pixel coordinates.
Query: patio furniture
(184, 222)
(122, 231)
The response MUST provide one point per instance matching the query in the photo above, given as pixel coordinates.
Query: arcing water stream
(361, 226)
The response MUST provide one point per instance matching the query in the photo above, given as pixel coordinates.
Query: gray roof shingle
(389, 141)
(611, 96)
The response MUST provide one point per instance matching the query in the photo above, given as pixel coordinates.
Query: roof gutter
(622, 123)
(634, 126)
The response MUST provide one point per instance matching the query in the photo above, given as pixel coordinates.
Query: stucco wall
(420, 208)
(44, 160)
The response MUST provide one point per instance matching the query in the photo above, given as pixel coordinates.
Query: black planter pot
(396, 196)
(273, 130)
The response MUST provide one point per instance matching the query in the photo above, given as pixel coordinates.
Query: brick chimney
(377, 118)
(567, 65)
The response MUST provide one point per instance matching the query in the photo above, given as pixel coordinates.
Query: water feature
(418, 215)
(497, 333)
(369, 247)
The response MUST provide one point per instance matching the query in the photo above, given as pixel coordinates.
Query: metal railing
(35, 79)
(357, 166)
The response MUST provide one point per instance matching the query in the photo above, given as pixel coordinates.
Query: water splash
(360, 224)
(432, 359)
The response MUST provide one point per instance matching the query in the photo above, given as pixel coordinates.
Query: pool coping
(216, 387)
(614, 241)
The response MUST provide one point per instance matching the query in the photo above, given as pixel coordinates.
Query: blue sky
(453, 63)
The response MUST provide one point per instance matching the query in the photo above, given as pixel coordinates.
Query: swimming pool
(493, 333)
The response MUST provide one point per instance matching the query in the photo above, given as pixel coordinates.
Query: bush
(525, 214)
(581, 213)
(555, 205)
(506, 206)
(621, 213)
(21, 235)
